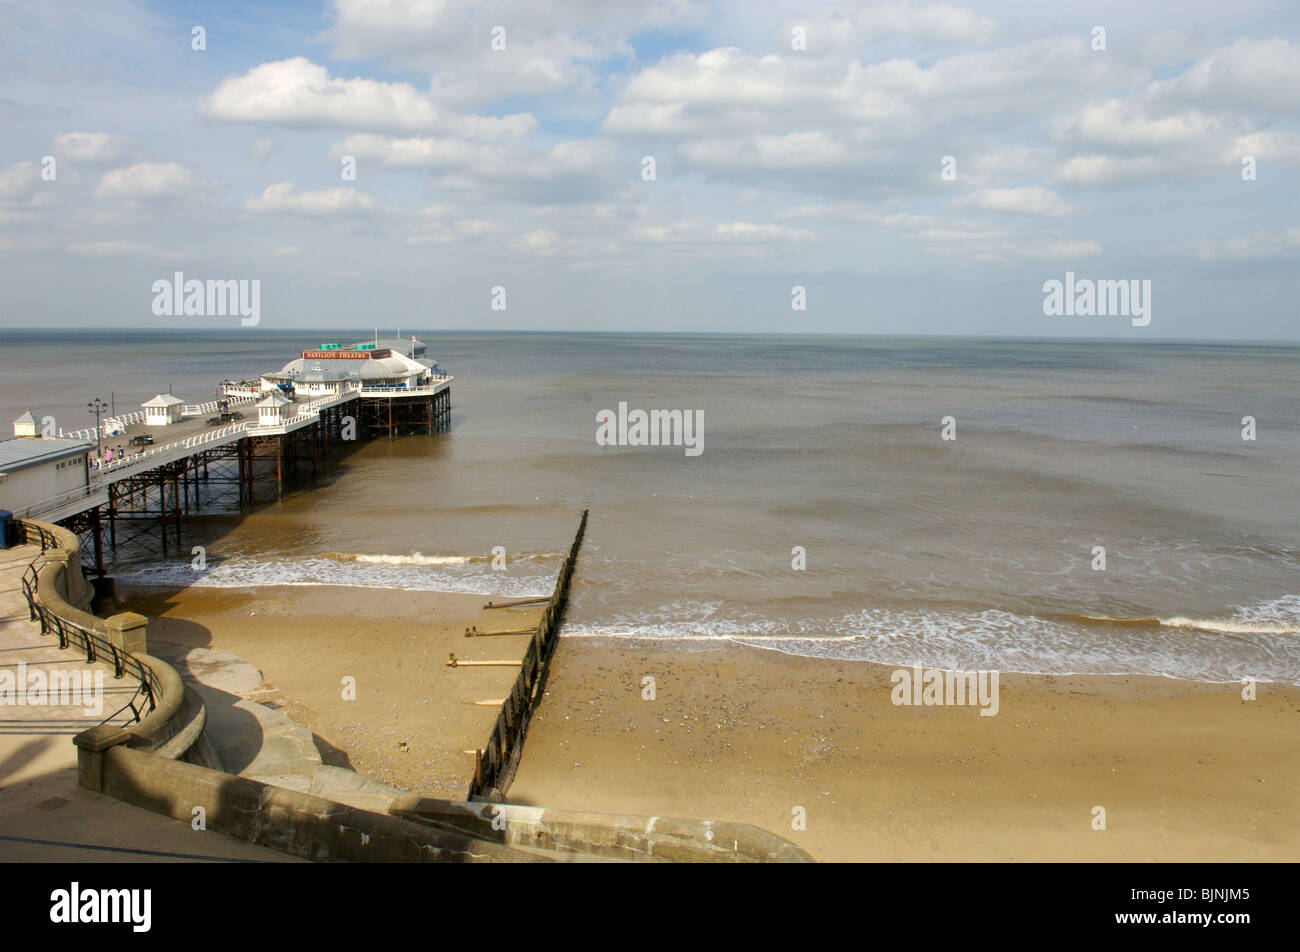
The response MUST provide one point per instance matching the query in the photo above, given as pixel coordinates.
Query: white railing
(198, 409)
(156, 454)
(308, 411)
(110, 426)
(57, 502)
(438, 381)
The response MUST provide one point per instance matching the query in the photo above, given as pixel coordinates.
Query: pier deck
(179, 441)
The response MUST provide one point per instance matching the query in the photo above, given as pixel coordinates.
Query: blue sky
(775, 167)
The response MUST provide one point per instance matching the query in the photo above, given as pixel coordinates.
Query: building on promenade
(34, 468)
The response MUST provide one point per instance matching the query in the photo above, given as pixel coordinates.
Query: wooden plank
(473, 632)
(519, 601)
(457, 663)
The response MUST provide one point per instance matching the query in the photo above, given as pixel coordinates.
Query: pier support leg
(97, 529)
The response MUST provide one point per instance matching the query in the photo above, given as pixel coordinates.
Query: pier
(300, 420)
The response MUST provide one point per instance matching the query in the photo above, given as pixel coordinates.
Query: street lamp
(98, 406)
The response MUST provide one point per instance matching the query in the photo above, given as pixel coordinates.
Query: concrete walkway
(44, 815)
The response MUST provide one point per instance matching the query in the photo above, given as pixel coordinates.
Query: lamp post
(98, 406)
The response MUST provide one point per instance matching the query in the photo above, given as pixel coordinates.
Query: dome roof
(383, 367)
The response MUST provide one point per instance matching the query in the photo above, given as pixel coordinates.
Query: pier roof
(320, 375)
(20, 452)
(366, 368)
(162, 400)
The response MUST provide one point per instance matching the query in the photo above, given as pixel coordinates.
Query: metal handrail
(95, 646)
(55, 502)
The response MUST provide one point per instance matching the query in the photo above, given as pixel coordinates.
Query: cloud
(572, 170)
(1264, 246)
(1248, 76)
(145, 181)
(1031, 200)
(109, 249)
(435, 230)
(737, 232)
(538, 242)
(836, 28)
(723, 91)
(327, 202)
(1127, 125)
(298, 92)
(969, 238)
(1103, 170)
(549, 48)
(91, 147)
(19, 181)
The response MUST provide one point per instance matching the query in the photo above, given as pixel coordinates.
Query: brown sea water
(968, 553)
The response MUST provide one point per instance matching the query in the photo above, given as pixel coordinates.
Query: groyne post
(495, 767)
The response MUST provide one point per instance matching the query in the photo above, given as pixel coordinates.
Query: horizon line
(70, 328)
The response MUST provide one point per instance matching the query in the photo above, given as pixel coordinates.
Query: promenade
(44, 815)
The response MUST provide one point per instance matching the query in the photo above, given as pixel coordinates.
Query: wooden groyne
(495, 766)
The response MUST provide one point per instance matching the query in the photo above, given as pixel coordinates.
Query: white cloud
(109, 249)
(549, 47)
(145, 180)
(327, 202)
(969, 238)
(847, 28)
(1031, 200)
(725, 91)
(1248, 76)
(437, 231)
(739, 232)
(571, 170)
(539, 242)
(19, 181)
(1127, 125)
(91, 147)
(1263, 246)
(298, 92)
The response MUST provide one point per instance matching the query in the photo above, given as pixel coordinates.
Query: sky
(659, 165)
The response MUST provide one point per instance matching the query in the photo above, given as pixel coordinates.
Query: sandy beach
(412, 717)
(1184, 771)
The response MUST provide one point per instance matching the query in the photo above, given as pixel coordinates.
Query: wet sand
(1184, 771)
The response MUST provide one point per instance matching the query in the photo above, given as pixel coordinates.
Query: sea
(1052, 507)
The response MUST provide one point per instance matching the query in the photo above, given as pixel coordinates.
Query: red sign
(345, 354)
